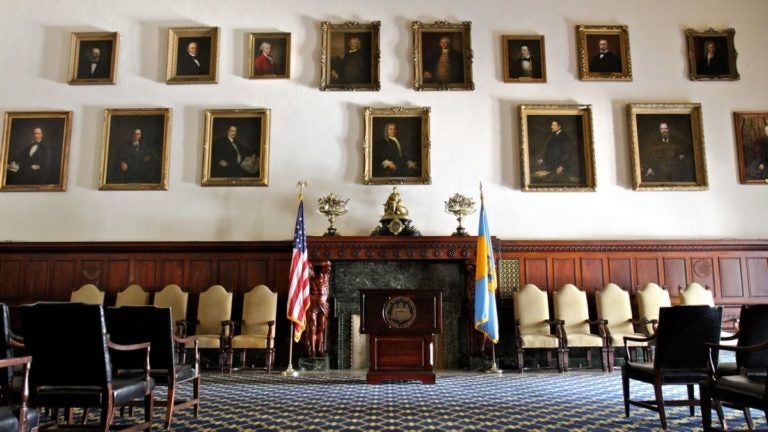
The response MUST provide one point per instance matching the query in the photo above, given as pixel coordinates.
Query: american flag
(298, 292)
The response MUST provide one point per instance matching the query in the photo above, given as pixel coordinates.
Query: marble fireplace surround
(404, 263)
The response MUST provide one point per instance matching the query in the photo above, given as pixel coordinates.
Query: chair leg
(242, 359)
(270, 359)
(604, 360)
(563, 359)
(691, 398)
(169, 405)
(748, 419)
(721, 415)
(196, 394)
(589, 358)
(520, 360)
(549, 359)
(660, 403)
(625, 391)
(611, 353)
(706, 407)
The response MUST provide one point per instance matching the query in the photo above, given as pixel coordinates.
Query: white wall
(317, 136)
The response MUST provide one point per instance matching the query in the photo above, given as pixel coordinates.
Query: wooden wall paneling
(757, 270)
(36, 279)
(731, 280)
(10, 280)
(703, 272)
(620, 273)
(171, 272)
(675, 275)
(282, 327)
(228, 276)
(563, 272)
(200, 275)
(648, 270)
(145, 274)
(118, 277)
(592, 274)
(536, 272)
(63, 279)
(91, 271)
(257, 273)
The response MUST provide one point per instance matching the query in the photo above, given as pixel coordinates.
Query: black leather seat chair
(72, 368)
(20, 418)
(12, 379)
(133, 324)
(682, 357)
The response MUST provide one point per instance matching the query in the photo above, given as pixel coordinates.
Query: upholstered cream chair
(214, 310)
(134, 295)
(171, 296)
(696, 295)
(257, 328)
(571, 308)
(615, 309)
(533, 327)
(649, 299)
(88, 294)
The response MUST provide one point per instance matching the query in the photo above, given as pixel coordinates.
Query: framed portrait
(667, 146)
(603, 53)
(711, 54)
(557, 148)
(396, 146)
(442, 55)
(751, 130)
(136, 149)
(193, 55)
(270, 55)
(93, 58)
(349, 59)
(524, 59)
(236, 147)
(35, 151)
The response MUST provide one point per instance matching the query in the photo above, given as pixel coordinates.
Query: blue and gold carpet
(338, 401)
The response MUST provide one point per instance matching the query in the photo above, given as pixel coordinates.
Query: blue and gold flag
(486, 319)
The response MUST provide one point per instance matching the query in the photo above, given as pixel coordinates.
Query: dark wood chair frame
(270, 360)
(23, 408)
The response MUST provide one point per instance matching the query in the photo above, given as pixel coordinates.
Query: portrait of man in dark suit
(35, 149)
(232, 157)
(94, 61)
(236, 148)
(605, 59)
(712, 57)
(193, 56)
(443, 62)
(353, 65)
(556, 152)
(396, 147)
(666, 148)
(525, 59)
(136, 151)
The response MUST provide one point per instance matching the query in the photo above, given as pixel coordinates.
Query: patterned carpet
(341, 401)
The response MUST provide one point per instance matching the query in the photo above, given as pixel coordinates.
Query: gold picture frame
(711, 55)
(451, 41)
(524, 59)
(667, 146)
(270, 55)
(557, 148)
(604, 53)
(236, 147)
(396, 146)
(136, 149)
(93, 58)
(193, 55)
(349, 60)
(751, 130)
(35, 151)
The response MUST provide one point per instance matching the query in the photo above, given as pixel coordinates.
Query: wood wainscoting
(736, 270)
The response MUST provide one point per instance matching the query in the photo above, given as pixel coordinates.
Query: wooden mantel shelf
(392, 248)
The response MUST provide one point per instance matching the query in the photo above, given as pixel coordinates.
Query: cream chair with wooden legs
(88, 294)
(533, 327)
(257, 327)
(214, 310)
(572, 310)
(696, 295)
(615, 311)
(171, 296)
(649, 300)
(134, 295)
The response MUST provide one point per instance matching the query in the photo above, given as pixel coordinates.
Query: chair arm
(228, 330)
(16, 341)
(270, 334)
(604, 331)
(635, 339)
(134, 347)
(24, 397)
(184, 341)
(762, 346)
(181, 327)
(644, 326)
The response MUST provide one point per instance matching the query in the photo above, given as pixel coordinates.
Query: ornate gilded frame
(336, 38)
(120, 125)
(280, 44)
(80, 43)
(588, 39)
(18, 131)
(697, 45)
(537, 135)
(510, 47)
(207, 39)
(412, 127)
(751, 130)
(252, 126)
(686, 135)
(426, 37)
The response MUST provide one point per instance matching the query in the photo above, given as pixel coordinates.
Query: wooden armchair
(72, 366)
(571, 309)
(533, 327)
(214, 311)
(695, 294)
(257, 328)
(681, 356)
(650, 299)
(133, 295)
(21, 418)
(133, 324)
(88, 294)
(615, 312)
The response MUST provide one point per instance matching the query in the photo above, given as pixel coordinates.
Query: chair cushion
(618, 339)
(249, 341)
(584, 340)
(128, 389)
(206, 341)
(540, 341)
(8, 421)
(744, 385)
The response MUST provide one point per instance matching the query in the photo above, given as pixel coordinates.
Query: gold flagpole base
(290, 371)
(494, 369)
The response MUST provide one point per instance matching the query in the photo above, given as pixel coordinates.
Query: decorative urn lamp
(460, 205)
(332, 207)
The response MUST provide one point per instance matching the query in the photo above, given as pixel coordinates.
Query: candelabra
(460, 206)
(332, 207)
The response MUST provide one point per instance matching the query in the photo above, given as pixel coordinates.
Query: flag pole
(493, 368)
(289, 371)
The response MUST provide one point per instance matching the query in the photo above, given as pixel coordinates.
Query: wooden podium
(401, 325)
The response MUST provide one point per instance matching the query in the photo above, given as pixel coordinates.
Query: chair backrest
(682, 334)
(134, 295)
(173, 297)
(259, 307)
(68, 344)
(136, 324)
(214, 306)
(613, 305)
(571, 307)
(532, 310)
(695, 294)
(753, 329)
(650, 299)
(88, 294)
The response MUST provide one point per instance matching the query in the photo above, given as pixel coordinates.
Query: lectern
(401, 325)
